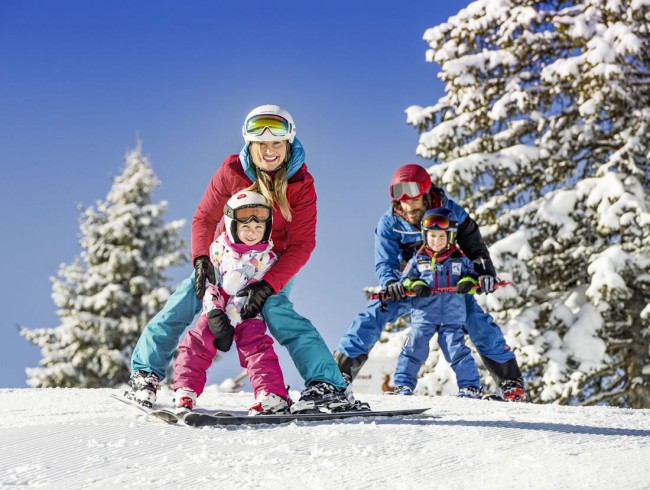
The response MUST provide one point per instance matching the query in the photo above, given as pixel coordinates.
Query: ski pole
(383, 296)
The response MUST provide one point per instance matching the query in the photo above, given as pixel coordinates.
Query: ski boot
(269, 404)
(403, 390)
(512, 390)
(143, 388)
(470, 392)
(324, 397)
(185, 399)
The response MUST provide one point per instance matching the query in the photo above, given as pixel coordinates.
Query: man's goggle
(435, 222)
(278, 125)
(246, 214)
(405, 190)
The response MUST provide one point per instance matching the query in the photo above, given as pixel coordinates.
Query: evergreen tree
(543, 134)
(107, 295)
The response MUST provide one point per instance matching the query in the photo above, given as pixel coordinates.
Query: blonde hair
(274, 190)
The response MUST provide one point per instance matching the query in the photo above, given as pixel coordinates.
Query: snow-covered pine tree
(107, 295)
(543, 135)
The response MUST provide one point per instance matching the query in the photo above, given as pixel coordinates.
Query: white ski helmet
(268, 123)
(244, 207)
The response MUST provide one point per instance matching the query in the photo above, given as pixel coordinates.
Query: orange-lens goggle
(435, 222)
(405, 190)
(246, 214)
(278, 125)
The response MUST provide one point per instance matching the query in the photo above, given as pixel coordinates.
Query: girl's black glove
(221, 328)
(257, 292)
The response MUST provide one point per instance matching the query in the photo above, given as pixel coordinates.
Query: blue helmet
(439, 219)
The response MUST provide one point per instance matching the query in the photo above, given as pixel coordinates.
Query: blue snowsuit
(444, 313)
(396, 240)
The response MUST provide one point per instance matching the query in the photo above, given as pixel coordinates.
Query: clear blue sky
(79, 80)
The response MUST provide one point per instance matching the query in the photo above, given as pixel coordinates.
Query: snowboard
(165, 415)
(198, 419)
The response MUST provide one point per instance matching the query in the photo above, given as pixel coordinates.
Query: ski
(162, 414)
(492, 397)
(198, 419)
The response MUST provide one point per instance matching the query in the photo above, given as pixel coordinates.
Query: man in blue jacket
(397, 239)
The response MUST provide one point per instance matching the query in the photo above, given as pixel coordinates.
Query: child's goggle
(435, 222)
(277, 125)
(405, 190)
(246, 214)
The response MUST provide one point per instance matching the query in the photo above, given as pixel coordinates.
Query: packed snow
(81, 438)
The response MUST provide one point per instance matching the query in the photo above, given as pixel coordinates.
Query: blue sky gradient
(80, 81)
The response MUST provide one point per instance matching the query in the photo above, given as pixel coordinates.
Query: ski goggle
(435, 222)
(246, 214)
(405, 190)
(277, 125)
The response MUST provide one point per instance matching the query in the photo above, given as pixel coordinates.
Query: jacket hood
(297, 160)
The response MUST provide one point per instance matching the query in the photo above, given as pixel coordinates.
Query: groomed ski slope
(74, 438)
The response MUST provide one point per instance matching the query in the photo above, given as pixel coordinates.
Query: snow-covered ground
(75, 438)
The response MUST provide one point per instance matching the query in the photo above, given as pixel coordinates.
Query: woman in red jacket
(272, 163)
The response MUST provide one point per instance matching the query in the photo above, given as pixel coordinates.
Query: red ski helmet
(409, 182)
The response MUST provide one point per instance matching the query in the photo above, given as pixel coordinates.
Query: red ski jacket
(294, 241)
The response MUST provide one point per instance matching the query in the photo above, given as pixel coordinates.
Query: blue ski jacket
(447, 308)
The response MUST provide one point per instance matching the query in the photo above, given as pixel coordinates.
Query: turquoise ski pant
(160, 338)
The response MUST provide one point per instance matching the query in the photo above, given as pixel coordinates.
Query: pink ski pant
(254, 346)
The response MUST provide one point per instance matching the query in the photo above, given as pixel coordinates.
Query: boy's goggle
(405, 190)
(278, 125)
(435, 222)
(246, 214)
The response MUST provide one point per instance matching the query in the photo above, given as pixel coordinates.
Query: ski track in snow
(73, 438)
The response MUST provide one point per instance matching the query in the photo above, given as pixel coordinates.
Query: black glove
(487, 275)
(203, 269)
(465, 285)
(422, 290)
(486, 284)
(221, 328)
(395, 290)
(257, 292)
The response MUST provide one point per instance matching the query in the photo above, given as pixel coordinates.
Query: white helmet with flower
(244, 207)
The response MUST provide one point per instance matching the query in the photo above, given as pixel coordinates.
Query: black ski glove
(422, 290)
(487, 276)
(203, 269)
(466, 285)
(221, 328)
(257, 292)
(395, 290)
(486, 284)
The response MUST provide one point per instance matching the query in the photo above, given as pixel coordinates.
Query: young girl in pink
(241, 255)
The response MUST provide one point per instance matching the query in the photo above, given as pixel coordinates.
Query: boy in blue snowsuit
(438, 264)
(397, 238)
